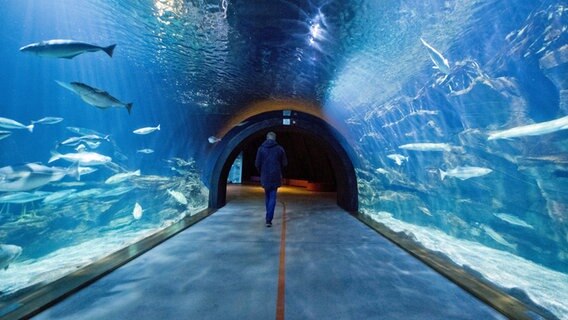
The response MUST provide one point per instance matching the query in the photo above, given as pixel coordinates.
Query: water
(191, 66)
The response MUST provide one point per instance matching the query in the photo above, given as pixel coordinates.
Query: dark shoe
(269, 224)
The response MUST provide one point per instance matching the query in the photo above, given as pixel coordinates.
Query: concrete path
(230, 266)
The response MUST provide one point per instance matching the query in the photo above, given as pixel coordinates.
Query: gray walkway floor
(227, 267)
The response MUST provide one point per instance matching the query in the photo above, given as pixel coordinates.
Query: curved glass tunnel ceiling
(454, 113)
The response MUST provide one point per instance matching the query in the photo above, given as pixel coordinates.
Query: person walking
(270, 160)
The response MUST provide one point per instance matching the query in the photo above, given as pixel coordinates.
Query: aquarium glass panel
(455, 114)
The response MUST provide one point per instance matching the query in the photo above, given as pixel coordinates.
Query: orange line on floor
(282, 269)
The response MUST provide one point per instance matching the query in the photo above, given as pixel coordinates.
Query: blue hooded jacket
(270, 160)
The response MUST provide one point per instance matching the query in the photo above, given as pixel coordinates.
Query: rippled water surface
(456, 112)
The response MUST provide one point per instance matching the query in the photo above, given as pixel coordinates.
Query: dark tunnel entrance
(309, 161)
(318, 156)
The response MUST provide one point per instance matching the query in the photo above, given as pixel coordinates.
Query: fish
(23, 197)
(4, 134)
(146, 151)
(437, 58)
(120, 177)
(382, 171)
(535, 129)
(48, 120)
(86, 170)
(66, 49)
(178, 196)
(82, 158)
(93, 96)
(513, 220)
(137, 212)
(464, 173)
(146, 130)
(425, 211)
(58, 196)
(115, 192)
(497, 237)
(213, 139)
(397, 158)
(13, 124)
(8, 253)
(85, 131)
(426, 146)
(90, 140)
(32, 175)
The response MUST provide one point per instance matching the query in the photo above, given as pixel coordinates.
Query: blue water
(192, 66)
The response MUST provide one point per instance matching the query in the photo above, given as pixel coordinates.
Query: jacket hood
(269, 143)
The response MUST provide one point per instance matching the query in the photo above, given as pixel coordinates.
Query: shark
(66, 49)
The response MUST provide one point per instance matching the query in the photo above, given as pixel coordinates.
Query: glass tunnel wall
(456, 112)
(84, 181)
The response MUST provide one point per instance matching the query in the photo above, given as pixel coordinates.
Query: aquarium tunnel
(427, 150)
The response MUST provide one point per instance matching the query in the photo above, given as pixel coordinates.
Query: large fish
(464, 173)
(120, 177)
(23, 197)
(13, 124)
(67, 49)
(93, 96)
(427, 146)
(32, 175)
(8, 253)
(536, 129)
(48, 120)
(82, 158)
(146, 130)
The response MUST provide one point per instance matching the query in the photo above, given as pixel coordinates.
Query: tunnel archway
(254, 127)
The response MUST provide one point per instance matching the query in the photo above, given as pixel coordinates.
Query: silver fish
(86, 132)
(146, 130)
(120, 177)
(437, 58)
(8, 253)
(536, 129)
(427, 146)
(13, 124)
(58, 196)
(213, 139)
(4, 134)
(146, 151)
(137, 212)
(397, 158)
(23, 197)
(91, 138)
(82, 158)
(464, 173)
(178, 196)
(32, 175)
(67, 49)
(513, 220)
(48, 120)
(93, 96)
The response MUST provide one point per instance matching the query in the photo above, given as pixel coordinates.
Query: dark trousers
(270, 198)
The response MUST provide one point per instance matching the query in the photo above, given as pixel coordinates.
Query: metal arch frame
(227, 150)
